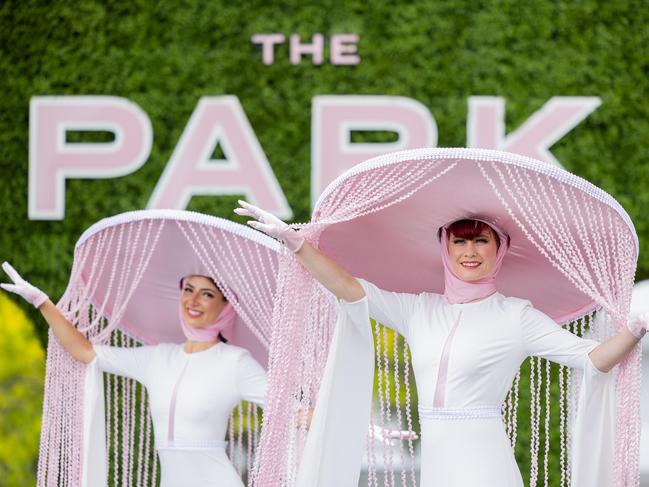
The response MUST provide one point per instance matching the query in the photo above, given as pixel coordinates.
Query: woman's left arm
(608, 354)
(547, 339)
(251, 379)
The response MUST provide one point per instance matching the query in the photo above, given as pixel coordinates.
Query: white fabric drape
(94, 430)
(593, 433)
(336, 440)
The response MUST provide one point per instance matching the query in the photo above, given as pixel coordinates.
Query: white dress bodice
(191, 397)
(465, 357)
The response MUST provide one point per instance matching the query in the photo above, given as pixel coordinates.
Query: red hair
(470, 229)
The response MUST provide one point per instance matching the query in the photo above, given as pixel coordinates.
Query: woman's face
(473, 259)
(200, 301)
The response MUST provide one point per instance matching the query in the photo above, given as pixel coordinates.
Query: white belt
(191, 445)
(478, 412)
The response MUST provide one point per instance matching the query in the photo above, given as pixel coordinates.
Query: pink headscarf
(457, 290)
(224, 321)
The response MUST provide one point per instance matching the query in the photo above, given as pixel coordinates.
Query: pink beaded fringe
(600, 262)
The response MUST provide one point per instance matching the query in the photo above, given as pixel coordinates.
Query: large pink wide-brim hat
(398, 249)
(246, 261)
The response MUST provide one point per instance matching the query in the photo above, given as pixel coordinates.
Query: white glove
(638, 325)
(271, 225)
(22, 288)
(389, 436)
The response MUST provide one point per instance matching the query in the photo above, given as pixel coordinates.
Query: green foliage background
(22, 372)
(165, 55)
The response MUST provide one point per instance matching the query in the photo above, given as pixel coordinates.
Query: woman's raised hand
(71, 339)
(325, 270)
(22, 288)
(271, 225)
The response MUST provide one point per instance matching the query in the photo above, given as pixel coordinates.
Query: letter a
(190, 171)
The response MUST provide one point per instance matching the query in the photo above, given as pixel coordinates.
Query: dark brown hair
(470, 229)
(182, 282)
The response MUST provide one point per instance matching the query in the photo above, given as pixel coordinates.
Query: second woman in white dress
(192, 387)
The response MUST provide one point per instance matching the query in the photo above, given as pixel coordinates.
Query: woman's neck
(482, 298)
(191, 346)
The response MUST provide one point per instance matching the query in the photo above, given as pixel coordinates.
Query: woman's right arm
(70, 338)
(389, 308)
(330, 274)
(325, 270)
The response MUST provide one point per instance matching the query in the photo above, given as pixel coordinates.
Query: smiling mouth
(470, 265)
(194, 313)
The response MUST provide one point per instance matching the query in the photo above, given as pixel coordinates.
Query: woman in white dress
(192, 387)
(467, 346)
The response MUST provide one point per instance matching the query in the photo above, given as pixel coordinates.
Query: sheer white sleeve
(251, 379)
(545, 338)
(131, 362)
(593, 423)
(390, 308)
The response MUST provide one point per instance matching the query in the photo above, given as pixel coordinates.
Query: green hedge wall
(165, 55)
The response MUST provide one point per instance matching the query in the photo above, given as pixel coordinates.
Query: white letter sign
(245, 170)
(52, 159)
(334, 118)
(486, 125)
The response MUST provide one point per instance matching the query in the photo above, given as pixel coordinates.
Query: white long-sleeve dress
(465, 357)
(191, 397)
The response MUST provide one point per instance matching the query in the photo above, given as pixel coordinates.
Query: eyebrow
(201, 289)
(485, 234)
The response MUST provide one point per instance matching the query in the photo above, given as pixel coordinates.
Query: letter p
(52, 159)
